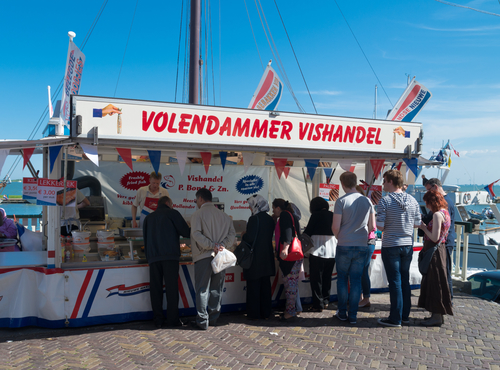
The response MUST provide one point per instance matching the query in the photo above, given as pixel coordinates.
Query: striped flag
(268, 93)
(410, 103)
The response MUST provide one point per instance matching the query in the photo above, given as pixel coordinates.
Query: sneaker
(353, 322)
(405, 322)
(339, 317)
(387, 322)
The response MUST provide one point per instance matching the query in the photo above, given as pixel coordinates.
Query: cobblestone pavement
(468, 340)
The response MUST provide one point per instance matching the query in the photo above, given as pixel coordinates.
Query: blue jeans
(397, 262)
(350, 263)
(365, 278)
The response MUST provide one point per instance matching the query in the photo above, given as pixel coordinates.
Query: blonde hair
(155, 176)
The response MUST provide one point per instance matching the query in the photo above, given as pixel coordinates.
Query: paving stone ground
(468, 340)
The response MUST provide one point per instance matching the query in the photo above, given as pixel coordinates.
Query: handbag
(295, 249)
(424, 259)
(307, 243)
(244, 252)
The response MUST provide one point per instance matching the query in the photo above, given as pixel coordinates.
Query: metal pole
(194, 52)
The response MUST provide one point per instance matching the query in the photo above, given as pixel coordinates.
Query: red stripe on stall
(83, 289)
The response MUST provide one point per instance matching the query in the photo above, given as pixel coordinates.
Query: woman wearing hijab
(322, 256)
(286, 229)
(8, 228)
(259, 233)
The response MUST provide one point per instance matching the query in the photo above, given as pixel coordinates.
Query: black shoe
(158, 324)
(195, 325)
(178, 323)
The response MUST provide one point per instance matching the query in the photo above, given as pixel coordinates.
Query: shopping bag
(244, 255)
(223, 260)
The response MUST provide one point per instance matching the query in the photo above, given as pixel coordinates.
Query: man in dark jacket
(161, 231)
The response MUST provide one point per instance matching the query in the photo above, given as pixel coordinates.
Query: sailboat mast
(194, 52)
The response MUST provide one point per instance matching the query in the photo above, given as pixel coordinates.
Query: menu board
(30, 188)
(50, 192)
(329, 191)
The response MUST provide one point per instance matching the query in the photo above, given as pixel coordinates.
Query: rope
(355, 38)
(126, 46)
(178, 54)
(253, 34)
(296, 59)
(468, 7)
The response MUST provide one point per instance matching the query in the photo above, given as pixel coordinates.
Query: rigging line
(352, 32)
(284, 75)
(206, 52)
(220, 56)
(253, 34)
(126, 46)
(296, 59)
(468, 7)
(89, 33)
(178, 53)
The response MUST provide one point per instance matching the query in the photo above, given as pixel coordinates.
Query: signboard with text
(30, 188)
(329, 191)
(50, 192)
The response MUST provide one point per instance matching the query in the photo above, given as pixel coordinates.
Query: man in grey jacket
(211, 231)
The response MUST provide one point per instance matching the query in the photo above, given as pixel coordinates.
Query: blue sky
(453, 51)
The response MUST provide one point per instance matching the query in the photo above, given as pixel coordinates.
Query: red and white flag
(268, 93)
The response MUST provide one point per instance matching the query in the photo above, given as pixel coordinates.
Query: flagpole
(60, 126)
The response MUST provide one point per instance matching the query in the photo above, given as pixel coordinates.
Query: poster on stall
(50, 192)
(30, 188)
(374, 194)
(329, 191)
(232, 186)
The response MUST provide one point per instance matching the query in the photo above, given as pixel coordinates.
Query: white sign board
(50, 192)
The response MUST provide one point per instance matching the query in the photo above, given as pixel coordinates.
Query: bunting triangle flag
(155, 158)
(489, 188)
(126, 155)
(91, 153)
(247, 159)
(279, 163)
(27, 153)
(206, 157)
(311, 165)
(398, 167)
(3, 156)
(223, 157)
(53, 153)
(345, 164)
(412, 164)
(181, 160)
(286, 171)
(328, 173)
(377, 165)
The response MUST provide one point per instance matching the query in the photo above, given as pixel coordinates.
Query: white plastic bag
(223, 260)
(31, 241)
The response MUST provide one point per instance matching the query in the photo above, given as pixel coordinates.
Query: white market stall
(51, 293)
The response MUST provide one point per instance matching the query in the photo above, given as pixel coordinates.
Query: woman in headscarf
(286, 229)
(259, 233)
(322, 256)
(8, 228)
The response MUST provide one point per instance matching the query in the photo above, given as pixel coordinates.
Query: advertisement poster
(30, 188)
(231, 186)
(50, 192)
(329, 191)
(374, 194)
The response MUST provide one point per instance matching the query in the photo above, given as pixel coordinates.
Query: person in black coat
(322, 256)
(259, 233)
(161, 231)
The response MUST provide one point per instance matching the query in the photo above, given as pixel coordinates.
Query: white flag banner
(247, 160)
(345, 164)
(51, 110)
(181, 160)
(72, 80)
(91, 153)
(410, 103)
(268, 93)
(3, 155)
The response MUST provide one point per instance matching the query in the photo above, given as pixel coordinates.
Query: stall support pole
(54, 221)
(45, 171)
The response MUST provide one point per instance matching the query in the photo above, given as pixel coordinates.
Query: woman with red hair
(435, 295)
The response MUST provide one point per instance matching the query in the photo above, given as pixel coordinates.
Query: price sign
(50, 192)
(329, 191)
(30, 188)
(374, 194)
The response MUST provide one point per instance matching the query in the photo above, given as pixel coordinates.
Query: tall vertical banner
(268, 93)
(410, 103)
(72, 81)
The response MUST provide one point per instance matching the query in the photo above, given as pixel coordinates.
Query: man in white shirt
(70, 218)
(147, 198)
(211, 231)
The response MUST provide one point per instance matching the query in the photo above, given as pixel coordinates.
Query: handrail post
(459, 229)
(466, 256)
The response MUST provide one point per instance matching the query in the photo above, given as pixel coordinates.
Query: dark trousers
(259, 298)
(320, 277)
(449, 249)
(168, 272)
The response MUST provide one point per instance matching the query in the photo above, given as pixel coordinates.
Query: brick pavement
(468, 340)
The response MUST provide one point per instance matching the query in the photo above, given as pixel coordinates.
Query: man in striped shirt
(397, 214)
